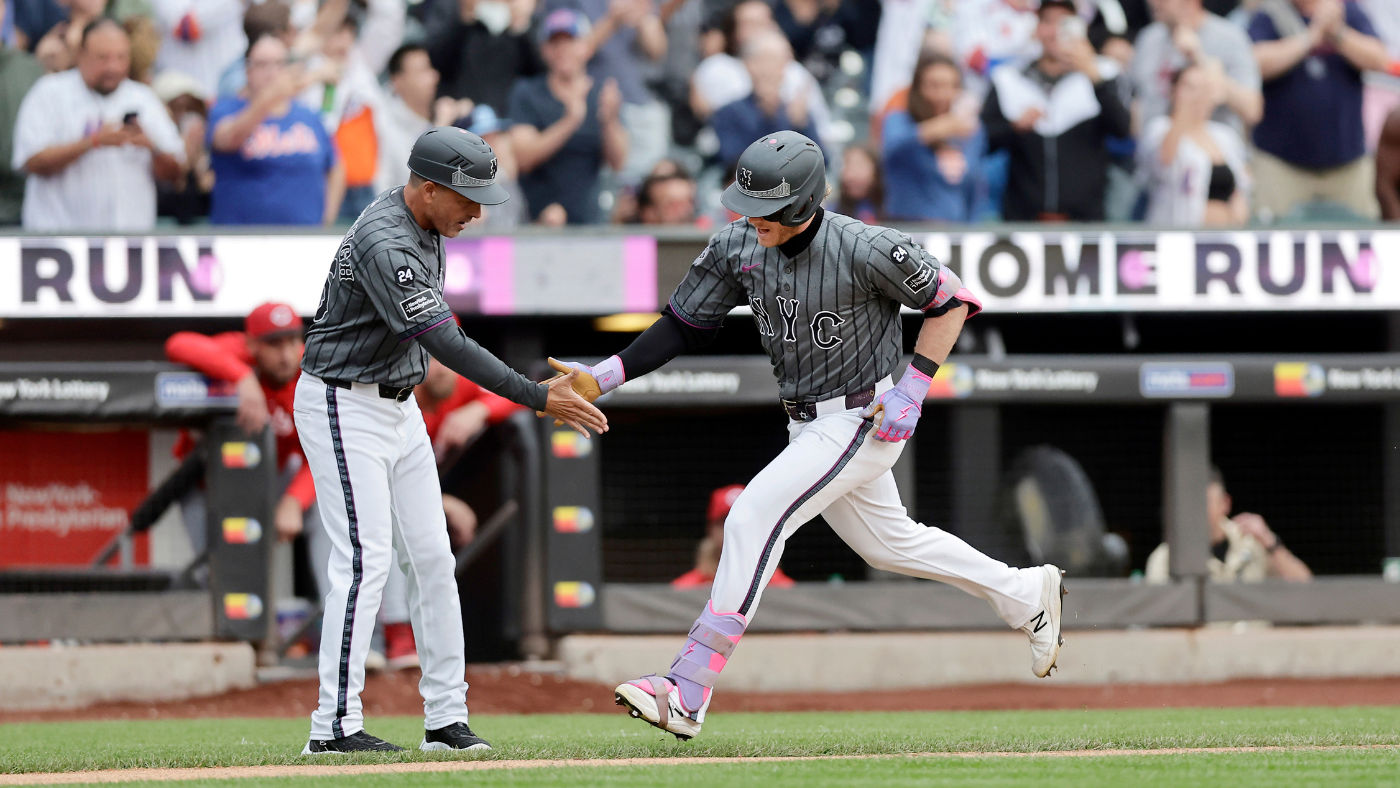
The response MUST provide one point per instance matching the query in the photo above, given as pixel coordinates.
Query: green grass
(1276, 770)
(240, 742)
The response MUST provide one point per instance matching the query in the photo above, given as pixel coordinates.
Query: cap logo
(460, 178)
(280, 316)
(783, 189)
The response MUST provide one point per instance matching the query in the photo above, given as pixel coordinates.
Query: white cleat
(1044, 627)
(673, 718)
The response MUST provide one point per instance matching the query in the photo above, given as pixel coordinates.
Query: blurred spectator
(1310, 143)
(57, 49)
(821, 29)
(481, 47)
(33, 19)
(553, 215)
(628, 43)
(1116, 24)
(200, 38)
(907, 28)
(1243, 548)
(483, 122)
(347, 92)
(707, 552)
(408, 111)
(93, 142)
(268, 18)
(861, 190)
(1194, 166)
(667, 197)
(145, 47)
(1054, 117)
(933, 150)
(187, 198)
(1186, 34)
(989, 33)
(763, 111)
(721, 78)
(566, 125)
(1385, 18)
(18, 72)
(1388, 168)
(273, 161)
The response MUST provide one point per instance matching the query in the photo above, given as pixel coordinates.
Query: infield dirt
(507, 689)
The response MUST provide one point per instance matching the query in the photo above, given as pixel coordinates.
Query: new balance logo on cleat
(1040, 621)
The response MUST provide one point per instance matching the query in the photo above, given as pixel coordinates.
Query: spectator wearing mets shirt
(263, 362)
(273, 161)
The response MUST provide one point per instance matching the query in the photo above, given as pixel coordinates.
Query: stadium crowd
(122, 114)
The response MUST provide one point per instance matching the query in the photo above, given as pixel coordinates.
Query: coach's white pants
(834, 466)
(377, 489)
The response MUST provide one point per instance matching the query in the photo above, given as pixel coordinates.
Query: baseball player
(381, 315)
(825, 291)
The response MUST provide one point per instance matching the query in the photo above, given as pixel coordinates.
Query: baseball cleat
(1044, 627)
(457, 736)
(355, 742)
(641, 702)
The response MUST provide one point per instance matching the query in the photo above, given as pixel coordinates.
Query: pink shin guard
(706, 652)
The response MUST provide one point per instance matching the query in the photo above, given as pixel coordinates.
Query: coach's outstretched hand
(566, 405)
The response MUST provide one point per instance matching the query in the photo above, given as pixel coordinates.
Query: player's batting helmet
(459, 160)
(782, 176)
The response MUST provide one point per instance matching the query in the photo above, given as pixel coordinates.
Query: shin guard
(706, 652)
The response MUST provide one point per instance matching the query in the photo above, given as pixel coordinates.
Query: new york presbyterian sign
(1136, 271)
(1056, 270)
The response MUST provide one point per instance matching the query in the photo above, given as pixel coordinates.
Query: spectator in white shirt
(93, 142)
(200, 38)
(1194, 167)
(408, 111)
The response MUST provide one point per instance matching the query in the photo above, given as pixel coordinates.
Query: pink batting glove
(902, 406)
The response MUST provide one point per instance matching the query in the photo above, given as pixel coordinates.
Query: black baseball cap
(459, 160)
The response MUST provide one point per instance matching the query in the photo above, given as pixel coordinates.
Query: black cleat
(457, 736)
(355, 742)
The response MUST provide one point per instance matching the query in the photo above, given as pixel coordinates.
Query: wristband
(925, 365)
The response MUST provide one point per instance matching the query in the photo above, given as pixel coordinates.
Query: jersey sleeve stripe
(424, 327)
(691, 321)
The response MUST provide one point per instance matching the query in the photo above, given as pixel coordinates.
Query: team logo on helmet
(460, 178)
(783, 189)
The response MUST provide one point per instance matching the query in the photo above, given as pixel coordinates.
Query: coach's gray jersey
(829, 317)
(383, 289)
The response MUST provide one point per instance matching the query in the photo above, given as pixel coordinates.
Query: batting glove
(607, 373)
(897, 411)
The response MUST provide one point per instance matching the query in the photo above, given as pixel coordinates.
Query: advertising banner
(1145, 271)
(227, 276)
(66, 494)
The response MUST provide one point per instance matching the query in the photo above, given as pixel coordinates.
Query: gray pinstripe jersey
(383, 289)
(828, 317)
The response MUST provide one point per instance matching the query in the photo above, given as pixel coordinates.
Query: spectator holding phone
(273, 160)
(93, 142)
(1185, 34)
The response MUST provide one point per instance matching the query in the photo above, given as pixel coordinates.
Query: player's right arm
(689, 321)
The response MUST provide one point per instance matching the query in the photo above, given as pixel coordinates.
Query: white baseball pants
(834, 466)
(377, 489)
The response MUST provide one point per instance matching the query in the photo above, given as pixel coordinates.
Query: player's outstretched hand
(568, 406)
(897, 411)
(592, 382)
